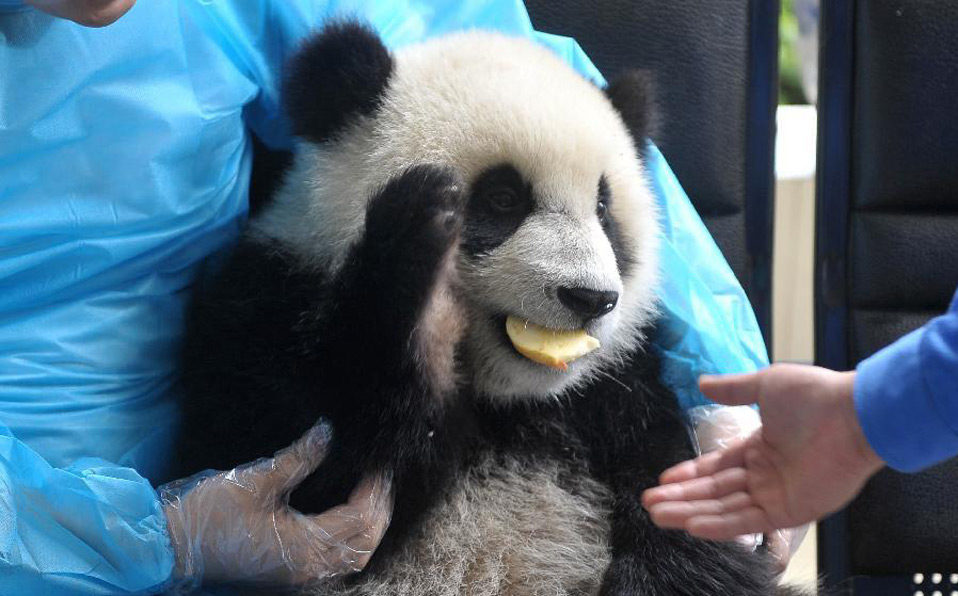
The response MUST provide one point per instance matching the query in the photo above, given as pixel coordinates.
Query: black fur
(487, 224)
(633, 430)
(275, 345)
(632, 94)
(338, 75)
(247, 358)
(385, 416)
(624, 252)
(269, 169)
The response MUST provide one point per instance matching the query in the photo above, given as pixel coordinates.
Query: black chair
(887, 259)
(716, 69)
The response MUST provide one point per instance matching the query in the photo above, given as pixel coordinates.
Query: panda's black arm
(274, 346)
(379, 380)
(634, 431)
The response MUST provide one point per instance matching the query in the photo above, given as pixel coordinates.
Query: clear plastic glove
(717, 427)
(237, 527)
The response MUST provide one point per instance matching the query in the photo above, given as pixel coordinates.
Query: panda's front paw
(417, 216)
(402, 260)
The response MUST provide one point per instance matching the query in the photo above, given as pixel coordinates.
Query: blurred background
(795, 144)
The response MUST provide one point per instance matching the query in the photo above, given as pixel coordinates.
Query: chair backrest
(887, 257)
(715, 66)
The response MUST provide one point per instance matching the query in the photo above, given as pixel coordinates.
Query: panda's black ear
(338, 74)
(632, 94)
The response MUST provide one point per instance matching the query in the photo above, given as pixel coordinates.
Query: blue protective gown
(124, 163)
(906, 396)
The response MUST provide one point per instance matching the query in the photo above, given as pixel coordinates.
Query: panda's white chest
(508, 529)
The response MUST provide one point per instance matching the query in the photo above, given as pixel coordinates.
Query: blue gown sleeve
(906, 396)
(89, 528)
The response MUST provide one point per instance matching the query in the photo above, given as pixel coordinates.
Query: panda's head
(560, 226)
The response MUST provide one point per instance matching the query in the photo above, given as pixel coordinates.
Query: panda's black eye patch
(499, 202)
(503, 190)
(623, 252)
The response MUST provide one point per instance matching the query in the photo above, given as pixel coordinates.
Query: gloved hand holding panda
(439, 195)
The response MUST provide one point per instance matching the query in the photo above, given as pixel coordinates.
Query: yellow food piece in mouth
(551, 347)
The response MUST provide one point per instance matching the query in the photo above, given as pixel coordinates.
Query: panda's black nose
(590, 304)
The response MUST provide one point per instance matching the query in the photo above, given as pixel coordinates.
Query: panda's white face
(560, 227)
(551, 256)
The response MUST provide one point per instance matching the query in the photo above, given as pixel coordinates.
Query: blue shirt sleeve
(90, 528)
(906, 396)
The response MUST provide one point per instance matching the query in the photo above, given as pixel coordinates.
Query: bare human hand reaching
(809, 458)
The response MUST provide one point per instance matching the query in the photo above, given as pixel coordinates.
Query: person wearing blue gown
(125, 155)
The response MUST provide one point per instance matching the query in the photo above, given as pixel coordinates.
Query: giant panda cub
(437, 192)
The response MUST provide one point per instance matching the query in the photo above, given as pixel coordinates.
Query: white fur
(507, 529)
(441, 329)
(471, 101)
